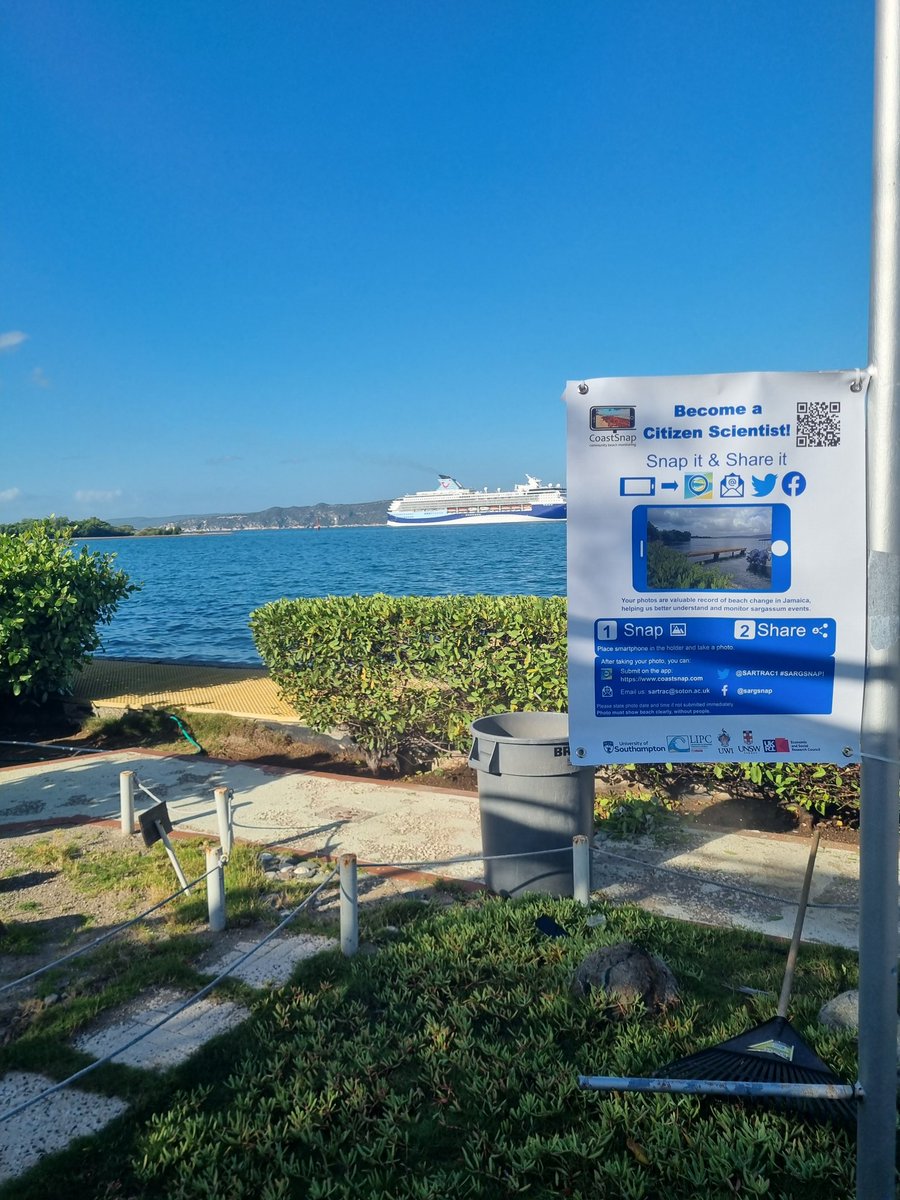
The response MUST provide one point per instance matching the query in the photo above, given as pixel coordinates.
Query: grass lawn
(445, 1064)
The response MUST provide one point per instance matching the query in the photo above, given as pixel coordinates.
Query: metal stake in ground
(156, 827)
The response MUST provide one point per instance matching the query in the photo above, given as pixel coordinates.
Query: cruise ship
(452, 504)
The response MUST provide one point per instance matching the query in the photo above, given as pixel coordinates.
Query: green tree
(52, 600)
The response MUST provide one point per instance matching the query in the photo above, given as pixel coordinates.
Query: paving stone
(49, 1125)
(274, 963)
(169, 1045)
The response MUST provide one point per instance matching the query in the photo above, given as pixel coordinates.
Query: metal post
(349, 906)
(880, 747)
(581, 869)
(223, 813)
(215, 889)
(126, 801)
(170, 850)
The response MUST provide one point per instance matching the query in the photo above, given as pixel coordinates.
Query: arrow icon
(670, 486)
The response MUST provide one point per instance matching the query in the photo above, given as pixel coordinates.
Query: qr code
(819, 423)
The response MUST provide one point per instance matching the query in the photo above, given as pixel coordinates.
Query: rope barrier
(52, 746)
(449, 862)
(204, 991)
(105, 937)
(146, 790)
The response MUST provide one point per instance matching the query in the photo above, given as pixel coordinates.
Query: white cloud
(10, 494)
(92, 496)
(12, 339)
(39, 379)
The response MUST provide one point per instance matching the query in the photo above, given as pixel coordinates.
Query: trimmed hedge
(407, 674)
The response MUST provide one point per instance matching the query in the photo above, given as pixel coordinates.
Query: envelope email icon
(731, 487)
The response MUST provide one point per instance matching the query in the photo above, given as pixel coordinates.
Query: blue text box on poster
(713, 666)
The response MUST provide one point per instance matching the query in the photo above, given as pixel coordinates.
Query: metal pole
(581, 869)
(719, 1087)
(223, 813)
(875, 1173)
(215, 889)
(170, 850)
(126, 801)
(349, 906)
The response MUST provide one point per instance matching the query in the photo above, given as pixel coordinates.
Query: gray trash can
(531, 799)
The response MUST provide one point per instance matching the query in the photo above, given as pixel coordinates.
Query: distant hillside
(371, 512)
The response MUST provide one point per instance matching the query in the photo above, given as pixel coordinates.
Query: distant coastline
(310, 516)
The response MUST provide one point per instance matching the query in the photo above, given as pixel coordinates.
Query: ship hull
(539, 514)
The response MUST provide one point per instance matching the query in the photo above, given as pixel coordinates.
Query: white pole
(581, 869)
(875, 1164)
(223, 813)
(126, 801)
(215, 889)
(349, 906)
(170, 850)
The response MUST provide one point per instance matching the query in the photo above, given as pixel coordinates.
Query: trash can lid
(536, 728)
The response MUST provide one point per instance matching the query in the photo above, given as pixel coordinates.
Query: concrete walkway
(324, 815)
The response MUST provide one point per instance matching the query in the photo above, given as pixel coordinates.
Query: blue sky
(279, 253)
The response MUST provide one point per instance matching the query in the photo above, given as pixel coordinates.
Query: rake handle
(785, 997)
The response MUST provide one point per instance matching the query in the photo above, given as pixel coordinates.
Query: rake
(770, 1062)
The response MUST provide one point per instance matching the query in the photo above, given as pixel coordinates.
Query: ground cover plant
(445, 1064)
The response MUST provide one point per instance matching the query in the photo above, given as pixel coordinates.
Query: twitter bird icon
(762, 487)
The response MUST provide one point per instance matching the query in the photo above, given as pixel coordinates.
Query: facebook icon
(793, 484)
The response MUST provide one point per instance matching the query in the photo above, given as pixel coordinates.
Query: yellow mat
(126, 683)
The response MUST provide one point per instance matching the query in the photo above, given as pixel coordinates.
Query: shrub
(407, 674)
(51, 602)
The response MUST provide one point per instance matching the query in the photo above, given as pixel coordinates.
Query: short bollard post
(581, 869)
(126, 801)
(223, 813)
(349, 906)
(215, 889)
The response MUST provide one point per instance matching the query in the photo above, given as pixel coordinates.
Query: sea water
(199, 590)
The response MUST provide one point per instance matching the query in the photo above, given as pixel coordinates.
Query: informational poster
(716, 567)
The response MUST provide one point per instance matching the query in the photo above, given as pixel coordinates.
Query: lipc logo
(698, 486)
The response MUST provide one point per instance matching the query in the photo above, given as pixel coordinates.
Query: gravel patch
(49, 1126)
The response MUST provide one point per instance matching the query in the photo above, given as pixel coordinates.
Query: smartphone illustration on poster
(711, 547)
